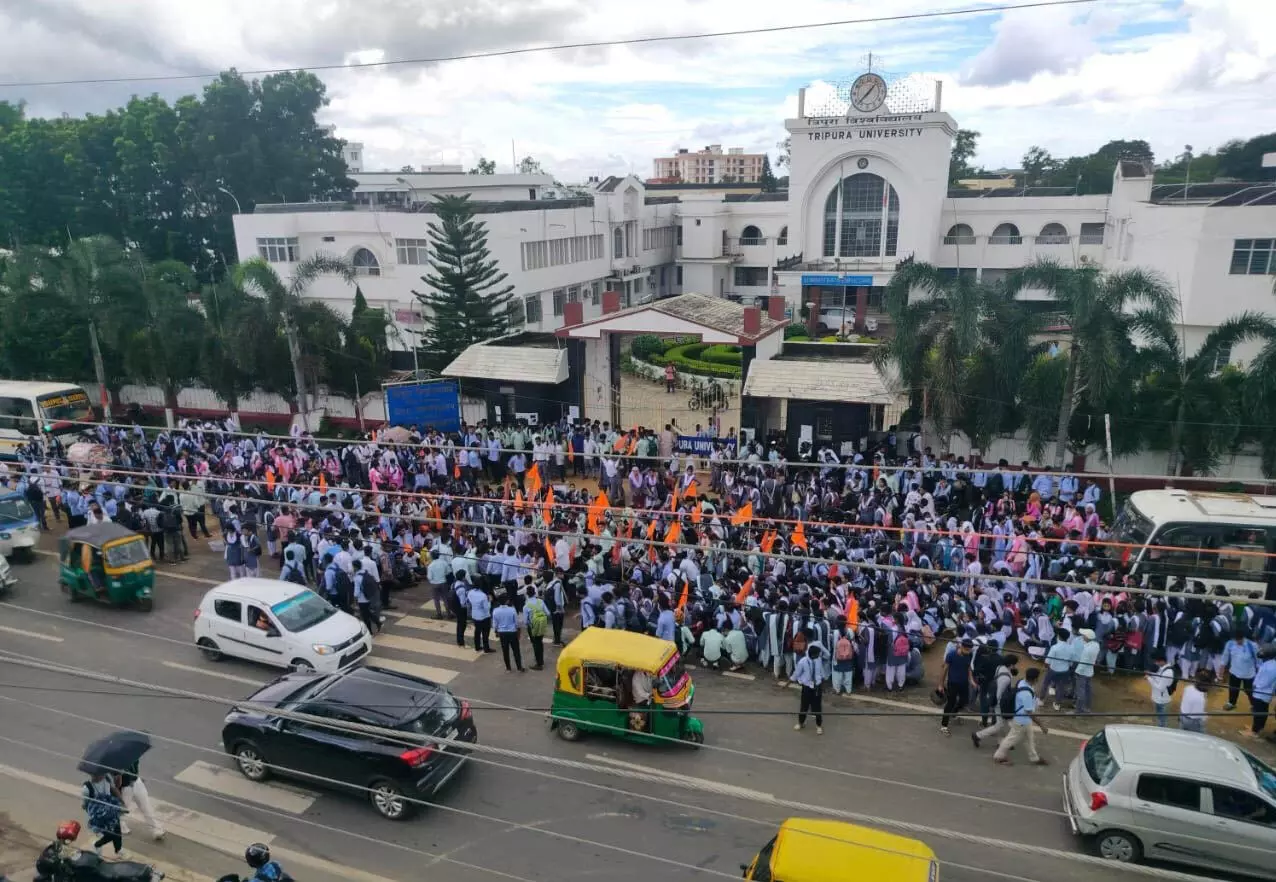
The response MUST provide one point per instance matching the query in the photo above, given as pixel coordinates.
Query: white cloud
(1068, 79)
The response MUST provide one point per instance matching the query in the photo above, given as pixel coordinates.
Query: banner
(703, 446)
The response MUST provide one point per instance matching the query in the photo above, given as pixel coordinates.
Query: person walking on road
(671, 379)
(480, 610)
(1024, 719)
(436, 573)
(556, 601)
(955, 678)
(1192, 704)
(458, 602)
(809, 674)
(101, 801)
(1240, 664)
(1161, 680)
(505, 621)
(536, 615)
(133, 790)
(1260, 696)
(1002, 692)
(1087, 661)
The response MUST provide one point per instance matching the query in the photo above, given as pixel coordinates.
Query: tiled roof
(854, 382)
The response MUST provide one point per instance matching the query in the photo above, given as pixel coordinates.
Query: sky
(1067, 78)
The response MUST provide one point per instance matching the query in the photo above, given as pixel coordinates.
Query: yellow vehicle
(624, 684)
(109, 563)
(810, 850)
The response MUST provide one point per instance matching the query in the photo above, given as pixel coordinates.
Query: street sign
(434, 403)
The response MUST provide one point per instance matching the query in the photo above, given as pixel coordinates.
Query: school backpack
(844, 649)
(901, 645)
(881, 644)
(537, 620)
(293, 573)
(984, 665)
(342, 586)
(798, 643)
(1010, 698)
(1174, 678)
(1180, 631)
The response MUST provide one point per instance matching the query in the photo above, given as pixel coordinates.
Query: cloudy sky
(1069, 78)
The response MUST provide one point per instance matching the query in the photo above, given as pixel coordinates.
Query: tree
(965, 145)
(242, 349)
(406, 169)
(1243, 160)
(367, 354)
(767, 178)
(1098, 309)
(284, 305)
(1038, 165)
(529, 166)
(158, 343)
(785, 148)
(1190, 395)
(468, 299)
(484, 167)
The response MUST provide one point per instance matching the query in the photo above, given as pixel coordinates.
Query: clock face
(868, 93)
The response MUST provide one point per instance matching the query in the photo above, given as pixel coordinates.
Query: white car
(278, 623)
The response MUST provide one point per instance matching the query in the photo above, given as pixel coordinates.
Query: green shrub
(795, 329)
(684, 358)
(797, 338)
(723, 354)
(647, 347)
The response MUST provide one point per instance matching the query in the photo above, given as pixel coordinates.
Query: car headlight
(6, 535)
(321, 648)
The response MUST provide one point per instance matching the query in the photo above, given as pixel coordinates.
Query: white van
(278, 623)
(1219, 542)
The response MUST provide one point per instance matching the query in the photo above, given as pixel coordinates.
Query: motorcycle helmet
(68, 831)
(257, 855)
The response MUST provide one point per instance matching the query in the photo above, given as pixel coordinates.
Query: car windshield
(125, 554)
(70, 406)
(1264, 774)
(671, 679)
(1131, 526)
(1099, 762)
(302, 611)
(432, 720)
(15, 510)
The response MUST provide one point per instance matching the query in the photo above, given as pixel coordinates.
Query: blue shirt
(1025, 702)
(1241, 659)
(1265, 680)
(479, 603)
(504, 619)
(665, 625)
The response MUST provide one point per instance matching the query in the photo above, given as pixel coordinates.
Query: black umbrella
(117, 752)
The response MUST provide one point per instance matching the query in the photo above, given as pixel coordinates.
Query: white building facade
(867, 190)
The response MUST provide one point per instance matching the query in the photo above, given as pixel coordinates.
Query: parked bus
(1219, 542)
(30, 410)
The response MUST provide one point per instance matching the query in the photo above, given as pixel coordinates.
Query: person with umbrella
(119, 753)
(104, 806)
(133, 792)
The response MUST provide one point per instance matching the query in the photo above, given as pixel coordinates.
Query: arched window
(1052, 234)
(783, 237)
(960, 234)
(1005, 234)
(861, 218)
(618, 242)
(365, 263)
(752, 236)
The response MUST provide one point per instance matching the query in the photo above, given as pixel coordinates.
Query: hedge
(795, 329)
(721, 353)
(647, 347)
(684, 358)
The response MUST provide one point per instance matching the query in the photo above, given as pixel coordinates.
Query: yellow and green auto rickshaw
(109, 563)
(823, 850)
(623, 684)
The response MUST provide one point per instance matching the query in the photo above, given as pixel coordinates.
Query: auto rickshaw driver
(91, 562)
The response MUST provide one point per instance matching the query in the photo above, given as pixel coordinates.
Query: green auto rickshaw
(623, 684)
(107, 563)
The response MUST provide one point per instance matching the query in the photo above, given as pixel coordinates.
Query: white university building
(868, 189)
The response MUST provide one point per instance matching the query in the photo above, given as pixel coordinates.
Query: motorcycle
(60, 861)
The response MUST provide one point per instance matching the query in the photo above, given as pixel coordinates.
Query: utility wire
(417, 740)
(558, 47)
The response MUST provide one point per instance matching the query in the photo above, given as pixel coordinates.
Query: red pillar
(861, 307)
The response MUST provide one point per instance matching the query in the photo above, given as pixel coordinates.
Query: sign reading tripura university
(864, 127)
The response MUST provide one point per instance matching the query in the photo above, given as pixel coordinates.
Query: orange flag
(768, 541)
(674, 533)
(549, 552)
(323, 483)
(686, 592)
(505, 495)
(798, 539)
(692, 491)
(696, 514)
(533, 481)
(456, 470)
(673, 501)
(743, 594)
(621, 443)
(593, 517)
(518, 500)
(852, 611)
(549, 505)
(270, 480)
(742, 515)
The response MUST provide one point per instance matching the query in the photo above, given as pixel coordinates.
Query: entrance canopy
(712, 319)
(845, 381)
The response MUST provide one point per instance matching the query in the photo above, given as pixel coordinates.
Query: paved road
(510, 817)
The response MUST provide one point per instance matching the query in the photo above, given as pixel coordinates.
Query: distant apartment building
(710, 166)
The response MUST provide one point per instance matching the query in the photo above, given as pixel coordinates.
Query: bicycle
(708, 396)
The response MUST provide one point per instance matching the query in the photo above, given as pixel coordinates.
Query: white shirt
(1192, 705)
(1160, 681)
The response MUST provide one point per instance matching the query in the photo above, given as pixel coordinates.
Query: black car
(391, 771)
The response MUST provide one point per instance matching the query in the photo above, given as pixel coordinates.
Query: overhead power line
(559, 47)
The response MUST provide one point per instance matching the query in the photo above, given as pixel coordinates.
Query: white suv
(278, 623)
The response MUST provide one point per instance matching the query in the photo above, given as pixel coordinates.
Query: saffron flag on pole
(768, 541)
(323, 483)
(686, 592)
(549, 505)
(696, 513)
(742, 515)
(674, 533)
(743, 594)
(798, 539)
(518, 500)
(593, 517)
(533, 481)
(549, 552)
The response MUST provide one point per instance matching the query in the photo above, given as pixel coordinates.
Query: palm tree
(283, 301)
(1183, 386)
(942, 328)
(163, 330)
(1103, 311)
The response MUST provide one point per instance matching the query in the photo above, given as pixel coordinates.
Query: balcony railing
(1005, 240)
(753, 240)
(1052, 239)
(959, 240)
(1091, 239)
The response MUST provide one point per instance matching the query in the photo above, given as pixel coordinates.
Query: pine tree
(767, 178)
(469, 299)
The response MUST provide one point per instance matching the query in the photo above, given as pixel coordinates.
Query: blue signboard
(702, 446)
(437, 404)
(834, 280)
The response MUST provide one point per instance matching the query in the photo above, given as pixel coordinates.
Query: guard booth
(523, 376)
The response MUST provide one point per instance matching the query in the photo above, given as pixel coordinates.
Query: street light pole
(238, 210)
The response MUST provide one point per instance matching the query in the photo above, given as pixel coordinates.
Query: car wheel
(692, 738)
(251, 763)
(301, 666)
(146, 604)
(389, 801)
(209, 648)
(24, 555)
(1117, 845)
(568, 731)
